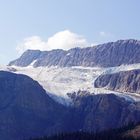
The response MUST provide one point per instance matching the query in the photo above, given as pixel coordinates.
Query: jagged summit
(104, 55)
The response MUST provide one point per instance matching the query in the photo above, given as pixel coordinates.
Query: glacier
(58, 81)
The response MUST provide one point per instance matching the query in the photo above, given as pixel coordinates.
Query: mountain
(82, 89)
(106, 55)
(26, 110)
(102, 111)
(124, 81)
(27, 58)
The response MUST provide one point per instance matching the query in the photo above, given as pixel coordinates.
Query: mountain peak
(113, 54)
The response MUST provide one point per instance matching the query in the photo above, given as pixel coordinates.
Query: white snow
(121, 68)
(68, 54)
(60, 81)
(32, 63)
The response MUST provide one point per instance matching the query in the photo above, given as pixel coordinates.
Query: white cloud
(33, 43)
(61, 40)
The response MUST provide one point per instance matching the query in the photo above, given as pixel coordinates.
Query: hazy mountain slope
(105, 55)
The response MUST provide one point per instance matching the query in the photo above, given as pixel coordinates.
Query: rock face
(27, 58)
(100, 112)
(27, 111)
(105, 55)
(125, 81)
(25, 108)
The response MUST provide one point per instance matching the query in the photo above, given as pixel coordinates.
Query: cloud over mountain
(61, 40)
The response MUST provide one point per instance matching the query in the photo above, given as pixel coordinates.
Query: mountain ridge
(113, 54)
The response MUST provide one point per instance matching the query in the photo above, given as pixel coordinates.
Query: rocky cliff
(125, 81)
(103, 111)
(105, 55)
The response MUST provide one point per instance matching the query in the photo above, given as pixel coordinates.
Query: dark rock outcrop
(125, 81)
(105, 55)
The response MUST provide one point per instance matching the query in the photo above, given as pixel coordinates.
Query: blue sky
(24, 22)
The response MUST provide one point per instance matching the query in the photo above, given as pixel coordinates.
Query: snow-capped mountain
(74, 78)
(61, 72)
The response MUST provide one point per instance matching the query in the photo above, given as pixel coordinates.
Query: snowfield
(60, 81)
